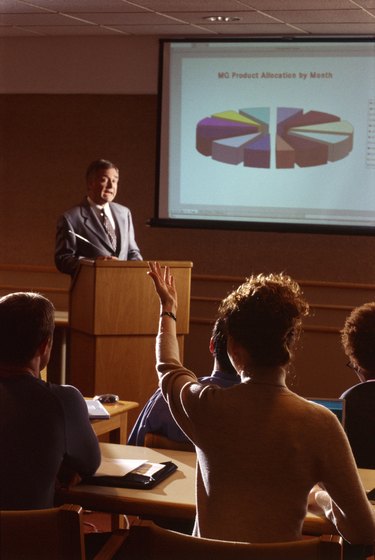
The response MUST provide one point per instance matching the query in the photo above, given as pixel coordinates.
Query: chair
(147, 541)
(48, 534)
(162, 442)
(360, 423)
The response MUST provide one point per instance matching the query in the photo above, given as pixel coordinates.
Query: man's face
(102, 187)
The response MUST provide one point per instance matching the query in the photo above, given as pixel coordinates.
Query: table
(174, 497)
(319, 525)
(117, 424)
(368, 478)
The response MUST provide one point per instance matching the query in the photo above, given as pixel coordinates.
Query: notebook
(337, 406)
(96, 410)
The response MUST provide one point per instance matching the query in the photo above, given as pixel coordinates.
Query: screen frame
(260, 226)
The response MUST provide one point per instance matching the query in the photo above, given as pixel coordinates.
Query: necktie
(109, 229)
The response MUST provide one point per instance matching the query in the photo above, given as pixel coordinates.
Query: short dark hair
(96, 165)
(264, 315)
(358, 337)
(26, 320)
(219, 341)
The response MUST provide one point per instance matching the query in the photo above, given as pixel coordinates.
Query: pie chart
(301, 139)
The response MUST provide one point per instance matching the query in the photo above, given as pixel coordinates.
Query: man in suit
(97, 227)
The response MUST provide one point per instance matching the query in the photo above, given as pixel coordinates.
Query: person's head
(26, 328)
(358, 340)
(263, 321)
(218, 347)
(102, 178)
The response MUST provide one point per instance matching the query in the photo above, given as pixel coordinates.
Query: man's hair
(26, 320)
(264, 315)
(219, 341)
(96, 166)
(358, 337)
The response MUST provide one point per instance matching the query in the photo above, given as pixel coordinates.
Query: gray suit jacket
(82, 220)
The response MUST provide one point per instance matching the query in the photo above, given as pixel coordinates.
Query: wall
(61, 65)
(93, 97)
(67, 101)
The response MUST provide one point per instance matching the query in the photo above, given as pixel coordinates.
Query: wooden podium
(113, 321)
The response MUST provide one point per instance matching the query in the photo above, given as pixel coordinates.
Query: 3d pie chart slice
(303, 139)
(312, 138)
(236, 137)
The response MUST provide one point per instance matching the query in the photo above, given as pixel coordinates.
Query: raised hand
(164, 285)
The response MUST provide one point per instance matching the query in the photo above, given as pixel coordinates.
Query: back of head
(358, 337)
(264, 315)
(219, 341)
(26, 320)
(97, 165)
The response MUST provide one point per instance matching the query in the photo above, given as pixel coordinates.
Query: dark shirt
(360, 422)
(42, 427)
(156, 418)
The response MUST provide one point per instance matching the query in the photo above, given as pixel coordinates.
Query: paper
(96, 410)
(118, 467)
(149, 469)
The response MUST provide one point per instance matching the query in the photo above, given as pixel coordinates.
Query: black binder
(133, 479)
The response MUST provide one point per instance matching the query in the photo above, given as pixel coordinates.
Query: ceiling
(179, 18)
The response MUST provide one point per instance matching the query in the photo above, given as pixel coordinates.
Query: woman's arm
(174, 379)
(342, 497)
(165, 288)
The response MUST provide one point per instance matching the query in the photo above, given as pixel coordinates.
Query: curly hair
(264, 315)
(358, 337)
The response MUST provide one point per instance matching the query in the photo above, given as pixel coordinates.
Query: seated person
(260, 447)
(156, 418)
(358, 340)
(44, 428)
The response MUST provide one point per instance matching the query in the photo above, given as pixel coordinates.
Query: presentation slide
(268, 132)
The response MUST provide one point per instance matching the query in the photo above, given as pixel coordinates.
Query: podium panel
(113, 322)
(118, 297)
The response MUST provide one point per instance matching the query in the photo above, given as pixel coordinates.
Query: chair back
(162, 442)
(43, 534)
(360, 423)
(150, 542)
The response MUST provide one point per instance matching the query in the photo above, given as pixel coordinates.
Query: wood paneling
(46, 143)
(320, 366)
